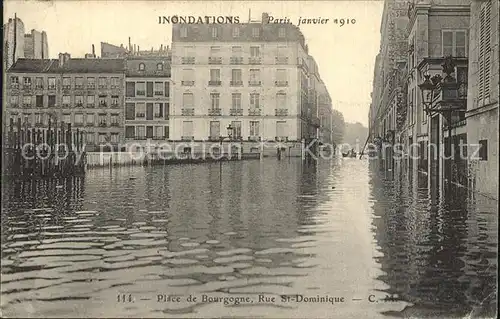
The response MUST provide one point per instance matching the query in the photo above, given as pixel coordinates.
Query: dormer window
(255, 32)
(184, 32)
(159, 67)
(236, 32)
(142, 67)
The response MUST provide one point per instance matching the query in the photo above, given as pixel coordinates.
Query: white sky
(345, 55)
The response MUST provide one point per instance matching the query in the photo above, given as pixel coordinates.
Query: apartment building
(483, 97)
(436, 31)
(13, 41)
(36, 45)
(325, 114)
(147, 99)
(253, 77)
(88, 93)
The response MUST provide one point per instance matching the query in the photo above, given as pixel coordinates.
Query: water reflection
(438, 255)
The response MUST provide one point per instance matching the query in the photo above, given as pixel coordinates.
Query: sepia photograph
(250, 159)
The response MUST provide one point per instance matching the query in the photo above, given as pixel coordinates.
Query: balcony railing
(90, 86)
(140, 114)
(281, 112)
(103, 104)
(27, 105)
(215, 112)
(281, 83)
(187, 138)
(78, 104)
(254, 60)
(115, 105)
(14, 85)
(254, 138)
(188, 60)
(281, 138)
(39, 87)
(141, 92)
(236, 112)
(214, 83)
(91, 105)
(79, 86)
(254, 83)
(103, 124)
(187, 83)
(236, 60)
(254, 111)
(51, 87)
(115, 124)
(236, 83)
(66, 87)
(157, 115)
(281, 60)
(215, 60)
(187, 111)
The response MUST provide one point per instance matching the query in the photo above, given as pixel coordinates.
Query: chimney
(93, 50)
(161, 47)
(135, 47)
(129, 44)
(61, 60)
(265, 18)
(66, 57)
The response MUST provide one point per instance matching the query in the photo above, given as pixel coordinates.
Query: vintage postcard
(250, 159)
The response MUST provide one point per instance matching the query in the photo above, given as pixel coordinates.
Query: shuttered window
(484, 53)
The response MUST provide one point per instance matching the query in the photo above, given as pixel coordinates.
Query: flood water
(371, 245)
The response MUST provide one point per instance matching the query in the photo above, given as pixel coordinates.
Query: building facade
(13, 41)
(253, 77)
(36, 45)
(482, 100)
(88, 93)
(147, 99)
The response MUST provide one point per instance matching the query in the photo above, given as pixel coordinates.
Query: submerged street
(369, 245)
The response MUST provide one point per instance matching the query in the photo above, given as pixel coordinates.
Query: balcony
(280, 112)
(281, 83)
(214, 83)
(39, 124)
(236, 112)
(187, 111)
(90, 105)
(27, 105)
(236, 60)
(77, 87)
(254, 138)
(187, 138)
(79, 105)
(141, 93)
(90, 87)
(214, 138)
(140, 115)
(66, 87)
(254, 60)
(157, 115)
(89, 124)
(103, 104)
(14, 86)
(39, 87)
(103, 124)
(281, 60)
(51, 87)
(27, 87)
(115, 124)
(187, 83)
(78, 124)
(281, 138)
(254, 83)
(215, 112)
(115, 105)
(236, 83)
(188, 60)
(158, 137)
(214, 60)
(254, 112)
(103, 87)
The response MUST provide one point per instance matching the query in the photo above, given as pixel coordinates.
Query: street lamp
(449, 102)
(221, 139)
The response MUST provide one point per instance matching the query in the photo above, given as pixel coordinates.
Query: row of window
(67, 82)
(236, 100)
(78, 119)
(236, 32)
(147, 89)
(142, 67)
(237, 52)
(141, 132)
(254, 76)
(67, 101)
(254, 129)
(147, 111)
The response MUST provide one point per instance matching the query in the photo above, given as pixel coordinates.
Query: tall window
(214, 51)
(215, 100)
(281, 75)
(187, 77)
(130, 89)
(103, 83)
(215, 75)
(255, 52)
(254, 128)
(254, 100)
(281, 128)
(281, 100)
(90, 100)
(214, 129)
(90, 119)
(140, 110)
(66, 83)
(79, 100)
(281, 32)
(215, 32)
(188, 100)
(78, 83)
(255, 32)
(485, 53)
(130, 111)
(454, 43)
(254, 75)
(91, 83)
(236, 125)
(184, 32)
(236, 101)
(236, 76)
(140, 89)
(236, 32)
(52, 83)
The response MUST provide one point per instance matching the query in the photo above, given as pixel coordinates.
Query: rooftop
(70, 66)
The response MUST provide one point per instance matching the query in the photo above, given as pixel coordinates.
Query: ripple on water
(170, 254)
(232, 259)
(181, 261)
(276, 250)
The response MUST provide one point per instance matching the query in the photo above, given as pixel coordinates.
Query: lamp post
(221, 139)
(448, 87)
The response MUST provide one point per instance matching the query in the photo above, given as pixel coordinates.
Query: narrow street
(369, 244)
